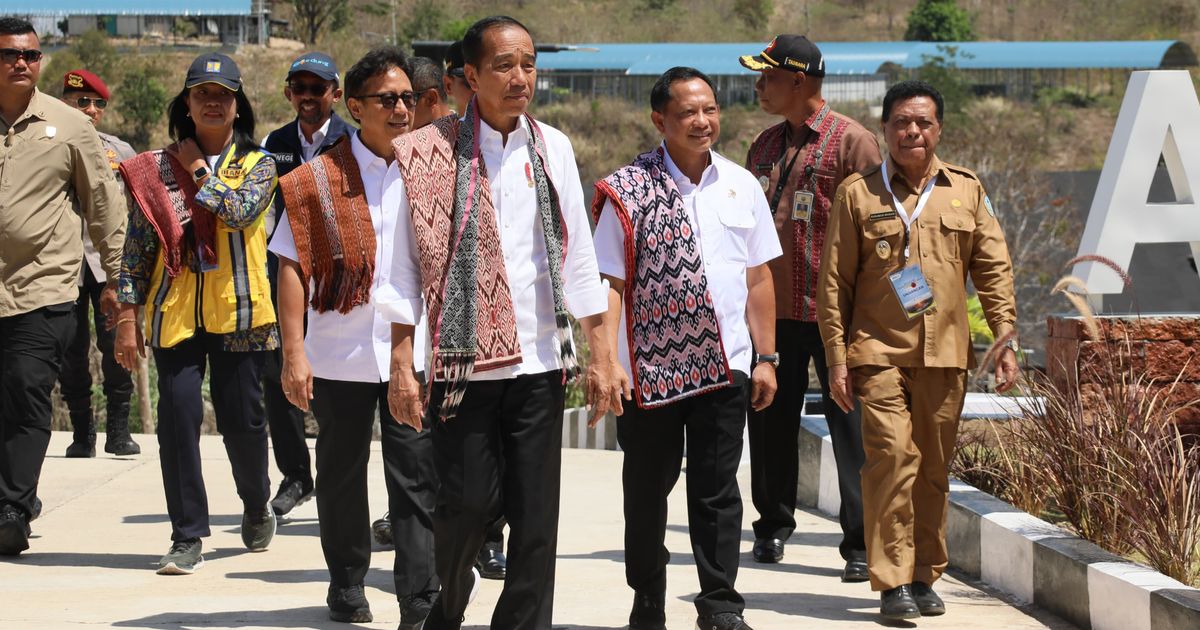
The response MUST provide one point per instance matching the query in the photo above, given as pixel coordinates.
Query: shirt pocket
(882, 242)
(737, 222)
(955, 237)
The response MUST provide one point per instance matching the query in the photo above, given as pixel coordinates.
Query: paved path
(104, 527)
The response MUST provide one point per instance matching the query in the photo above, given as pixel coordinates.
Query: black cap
(455, 60)
(317, 63)
(789, 52)
(214, 68)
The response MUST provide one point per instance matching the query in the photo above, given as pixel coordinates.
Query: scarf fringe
(566, 346)
(456, 368)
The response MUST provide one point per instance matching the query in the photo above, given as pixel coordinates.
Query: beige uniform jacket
(51, 158)
(861, 320)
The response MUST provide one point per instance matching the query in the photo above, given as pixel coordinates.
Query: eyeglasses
(11, 55)
(304, 89)
(84, 102)
(389, 99)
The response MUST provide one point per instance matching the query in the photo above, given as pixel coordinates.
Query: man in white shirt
(336, 251)
(683, 238)
(312, 87)
(503, 190)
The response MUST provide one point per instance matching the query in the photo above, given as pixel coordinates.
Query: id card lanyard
(908, 221)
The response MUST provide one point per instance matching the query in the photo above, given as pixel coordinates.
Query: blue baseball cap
(317, 63)
(214, 68)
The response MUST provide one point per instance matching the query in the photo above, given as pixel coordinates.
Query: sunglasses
(389, 99)
(84, 102)
(304, 89)
(11, 55)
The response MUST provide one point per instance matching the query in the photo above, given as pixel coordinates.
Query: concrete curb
(1031, 559)
(576, 433)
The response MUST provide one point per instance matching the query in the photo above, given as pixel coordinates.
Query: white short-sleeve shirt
(356, 346)
(729, 213)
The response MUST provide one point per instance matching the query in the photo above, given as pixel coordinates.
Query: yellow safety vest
(233, 297)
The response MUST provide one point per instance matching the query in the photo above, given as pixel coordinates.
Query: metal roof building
(859, 71)
(233, 21)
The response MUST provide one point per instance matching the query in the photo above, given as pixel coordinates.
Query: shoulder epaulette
(962, 170)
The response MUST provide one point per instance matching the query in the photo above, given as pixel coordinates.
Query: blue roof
(126, 7)
(857, 58)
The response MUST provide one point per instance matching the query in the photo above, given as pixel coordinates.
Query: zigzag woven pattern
(675, 344)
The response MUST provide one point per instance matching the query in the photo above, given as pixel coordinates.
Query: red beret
(84, 81)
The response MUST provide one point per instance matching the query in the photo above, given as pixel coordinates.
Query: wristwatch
(773, 359)
(200, 173)
(1011, 344)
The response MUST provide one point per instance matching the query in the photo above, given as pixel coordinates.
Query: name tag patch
(879, 216)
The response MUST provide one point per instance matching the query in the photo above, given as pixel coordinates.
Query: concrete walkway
(94, 550)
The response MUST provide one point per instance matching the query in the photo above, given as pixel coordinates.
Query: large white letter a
(1160, 115)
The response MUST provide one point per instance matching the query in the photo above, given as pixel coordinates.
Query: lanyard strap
(787, 172)
(928, 190)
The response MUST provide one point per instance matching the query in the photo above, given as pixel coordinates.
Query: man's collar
(896, 175)
(486, 131)
(362, 154)
(812, 122)
(318, 136)
(35, 109)
(678, 176)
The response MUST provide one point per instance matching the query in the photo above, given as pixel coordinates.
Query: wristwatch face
(200, 172)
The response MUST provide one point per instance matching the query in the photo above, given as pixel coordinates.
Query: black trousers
(31, 349)
(286, 422)
(345, 413)
(774, 436)
(516, 421)
(76, 376)
(653, 441)
(236, 388)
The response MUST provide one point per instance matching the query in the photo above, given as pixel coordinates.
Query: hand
(404, 397)
(762, 386)
(841, 389)
(605, 383)
(129, 344)
(109, 306)
(297, 380)
(1007, 370)
(188, 153)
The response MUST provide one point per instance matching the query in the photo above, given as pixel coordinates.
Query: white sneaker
(474, 585)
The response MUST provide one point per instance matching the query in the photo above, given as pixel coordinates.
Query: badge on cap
(74, 80)
(883, 249)
(212, 66)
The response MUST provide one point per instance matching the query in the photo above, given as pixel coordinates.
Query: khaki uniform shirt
(116, 151)
(795, 273)
(51, 157)
(861, 320)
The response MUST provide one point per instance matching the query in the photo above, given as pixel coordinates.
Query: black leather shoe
(898, 603)
(490, 562)
(648, 612)
(928, 601)
(84, 448)
(768, 550)
(381, 530)
(14, 531)
(414, 610)
(722, 621)
(348, 604)
(855, 571)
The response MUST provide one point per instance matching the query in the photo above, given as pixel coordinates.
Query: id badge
(802, 205)
(912, 290)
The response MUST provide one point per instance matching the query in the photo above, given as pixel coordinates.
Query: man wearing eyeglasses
(88, 93)
(51, 163)
(312, 87)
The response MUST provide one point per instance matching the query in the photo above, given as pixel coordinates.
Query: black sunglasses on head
(11, 55)
(389, 99)
(304, 89)
(83, 102)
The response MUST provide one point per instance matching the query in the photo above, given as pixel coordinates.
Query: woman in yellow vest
(195, 259)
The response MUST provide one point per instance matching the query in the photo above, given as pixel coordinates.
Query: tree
(143, 102)
(939, 21)
(753, 13)
(313, 16)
